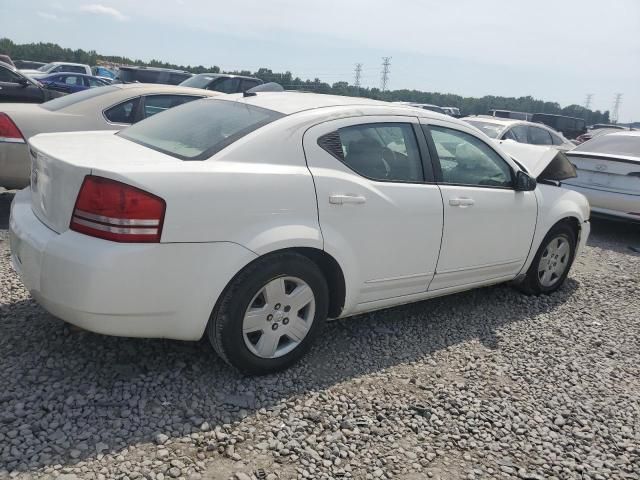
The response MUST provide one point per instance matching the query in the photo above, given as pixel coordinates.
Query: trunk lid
(619, 174)
(60, 161)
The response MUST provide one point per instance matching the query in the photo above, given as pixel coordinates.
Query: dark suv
(221, 82)
(151, 75)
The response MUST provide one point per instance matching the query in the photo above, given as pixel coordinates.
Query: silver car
(104, 108)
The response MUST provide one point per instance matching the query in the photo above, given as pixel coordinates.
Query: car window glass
(93, 82)
(466, 160)
(8, 76)
(225, 85)
(538, 136)
(124, 112)
(518, 133)
(556, 139)
(379, 151)
(248, 84)
(73, 80)
(76, 69)
(159, 103)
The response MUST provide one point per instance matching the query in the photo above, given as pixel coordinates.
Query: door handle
(340, 199)
(461, 202)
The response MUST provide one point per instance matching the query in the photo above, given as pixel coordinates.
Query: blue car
(71, 82)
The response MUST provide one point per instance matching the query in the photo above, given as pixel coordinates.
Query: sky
(554, 50)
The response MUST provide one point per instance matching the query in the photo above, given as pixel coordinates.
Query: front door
(379, 211)
(488, 226)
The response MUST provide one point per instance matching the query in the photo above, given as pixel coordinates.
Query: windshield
(47, 67)
(612, 144)
(201, 80)
(68, 100)
(489, 129)
(197, 130)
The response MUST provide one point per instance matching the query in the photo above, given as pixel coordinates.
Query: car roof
(69, 63)
(229, 75)
(495, 120)
(292, 102)
(69, 73)
(152, 69)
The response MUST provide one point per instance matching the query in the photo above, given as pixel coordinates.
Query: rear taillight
(9, 133)
(116, 211)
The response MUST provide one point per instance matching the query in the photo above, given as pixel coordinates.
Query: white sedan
(252, 219)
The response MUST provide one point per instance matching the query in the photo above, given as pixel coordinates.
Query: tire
(545, 274)
(253, 327)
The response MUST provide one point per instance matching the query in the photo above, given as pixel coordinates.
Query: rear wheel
(269, 315)
(552, 262)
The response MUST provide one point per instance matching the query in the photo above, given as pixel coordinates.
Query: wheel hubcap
(278, 317)
(554, 261)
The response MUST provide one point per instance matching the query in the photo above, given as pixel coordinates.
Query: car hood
(31, 73)
(541, 161)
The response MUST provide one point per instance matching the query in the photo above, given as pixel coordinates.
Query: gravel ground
(484, 384)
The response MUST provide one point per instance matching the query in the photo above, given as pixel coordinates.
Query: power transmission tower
(587, 102)
(358, 73)
(616, 108)
(384, 81)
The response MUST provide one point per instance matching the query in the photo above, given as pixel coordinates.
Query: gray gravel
(484, 384)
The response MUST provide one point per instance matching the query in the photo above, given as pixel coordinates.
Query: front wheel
(269, 315)
(552, 262)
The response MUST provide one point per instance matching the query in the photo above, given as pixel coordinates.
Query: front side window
(198, 130)
(8, 76)
(159, 103)
(224, 85)
(539, 136)
(519, 133)
(466, 160)
(379, 151)
(124, 112)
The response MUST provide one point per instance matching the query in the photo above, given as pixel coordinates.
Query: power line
(358, 74)
(384, 80)
(587, 102)
(616, 107)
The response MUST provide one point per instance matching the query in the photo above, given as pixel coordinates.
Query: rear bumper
(609, 203)
(138, 290)
(15, 165)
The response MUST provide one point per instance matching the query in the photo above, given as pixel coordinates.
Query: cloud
(99, 9)
(50, 16)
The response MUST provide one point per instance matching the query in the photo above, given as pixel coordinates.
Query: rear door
(380, 212)
(488, 226)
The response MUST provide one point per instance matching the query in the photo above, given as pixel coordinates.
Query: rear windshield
(201, 80)
(68, 100)
(612, 144)
(489, 129)
(197, 130)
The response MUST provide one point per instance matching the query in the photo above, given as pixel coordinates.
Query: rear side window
(612, 144)
(517, 133)
(198, 130)
(124, 112)
(379, 151)
(159, 103)
(225, 85)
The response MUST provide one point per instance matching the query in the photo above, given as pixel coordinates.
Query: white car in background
(57, 67)
(251, 219)
(103, 108)
(608, 168)
(519, 131)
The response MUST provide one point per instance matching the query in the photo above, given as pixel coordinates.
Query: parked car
(594, 133)
(15, 87)
(72, 82)
(222, 82)
(151, 75)
(27, 64)
(251, 219)
(608, 169)
(519, 131)
(570, 127)
(107, 108)
(510, 114)
(103, 72)
(453, 111)
(57, 67)
(6, 59)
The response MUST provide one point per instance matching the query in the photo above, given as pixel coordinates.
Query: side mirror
(23, 81)
(524, 182)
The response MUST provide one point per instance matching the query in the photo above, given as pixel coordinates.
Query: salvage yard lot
(483, 384)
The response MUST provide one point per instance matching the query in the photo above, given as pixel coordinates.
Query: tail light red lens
(9, 132)
(118, 212)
